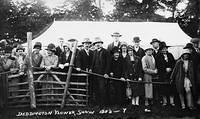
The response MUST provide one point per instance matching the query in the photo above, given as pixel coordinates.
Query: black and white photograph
(99, 59)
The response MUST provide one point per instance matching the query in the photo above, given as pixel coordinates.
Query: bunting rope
(102, 76)
(126, 80)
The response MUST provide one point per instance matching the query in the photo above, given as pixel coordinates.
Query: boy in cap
(100, 65)
(149, 68)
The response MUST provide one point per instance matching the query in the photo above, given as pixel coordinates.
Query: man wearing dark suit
(116, 42)
(156, 45)
(138, 51)
(84, 62)
(100, 65)
(84, 57)
(59, 48)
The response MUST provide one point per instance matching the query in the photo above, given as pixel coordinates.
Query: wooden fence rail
(48, 89)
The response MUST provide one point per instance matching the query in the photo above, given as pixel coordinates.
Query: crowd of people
(122, 61)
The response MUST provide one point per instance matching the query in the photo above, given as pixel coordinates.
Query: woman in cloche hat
(51, 60)
(183, 76)
(165, 63)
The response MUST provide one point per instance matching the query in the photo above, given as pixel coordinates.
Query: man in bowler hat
(138, 51)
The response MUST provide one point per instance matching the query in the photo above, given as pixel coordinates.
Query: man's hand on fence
(111, 74)
(171, 81)
(156, 71)
(47, 67)
(78, 69)
(21, 73)
(139, 79)
(168, 69)
(122, 78)
(106, 76)
(61, 66)
(66, 64)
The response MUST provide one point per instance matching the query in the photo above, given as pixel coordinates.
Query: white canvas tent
(168, 32)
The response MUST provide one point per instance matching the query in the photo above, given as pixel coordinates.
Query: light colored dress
(148, 66)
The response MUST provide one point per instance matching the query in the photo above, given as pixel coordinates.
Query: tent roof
(171, 33)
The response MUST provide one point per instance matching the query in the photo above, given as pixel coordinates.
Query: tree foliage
(83, 10)
(17, 18)
(190, 20)
(24, 16)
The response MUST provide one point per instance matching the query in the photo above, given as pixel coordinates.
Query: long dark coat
(84, 61)
(100, 65)
(115, 87)
(134, 72)
(100, 61)
(178, 76)
(163, 75)
(195, 57)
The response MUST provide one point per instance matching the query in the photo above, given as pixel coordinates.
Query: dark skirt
(137, 88)
(166, 89)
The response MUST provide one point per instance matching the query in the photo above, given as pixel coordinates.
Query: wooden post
(69, 74)
(30, 72)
